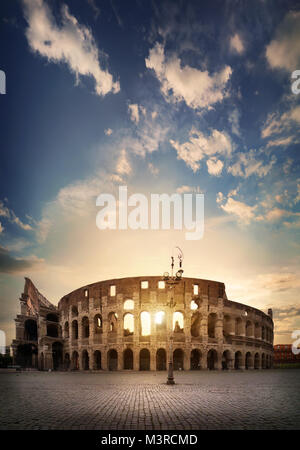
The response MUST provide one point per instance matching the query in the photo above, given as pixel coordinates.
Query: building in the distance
(283, 354)
(128, 324)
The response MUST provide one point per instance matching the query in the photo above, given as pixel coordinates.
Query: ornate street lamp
(171, 281)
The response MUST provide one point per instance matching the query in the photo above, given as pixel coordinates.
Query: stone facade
(203, 330)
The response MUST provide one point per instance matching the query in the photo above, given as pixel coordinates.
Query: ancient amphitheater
(128, 324)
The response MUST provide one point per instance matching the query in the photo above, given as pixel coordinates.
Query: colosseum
(130, 324)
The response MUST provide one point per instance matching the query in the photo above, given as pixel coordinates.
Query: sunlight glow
(145, 323)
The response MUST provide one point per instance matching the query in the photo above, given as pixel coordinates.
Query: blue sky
(162, 97)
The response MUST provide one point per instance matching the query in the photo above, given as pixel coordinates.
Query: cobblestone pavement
(141, 400)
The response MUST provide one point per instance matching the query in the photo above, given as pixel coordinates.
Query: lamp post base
(170, 379)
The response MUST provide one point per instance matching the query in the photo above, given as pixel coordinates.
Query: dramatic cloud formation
(9, 214)
(199, 146)
(71, 43)
(281, 123)
(283, 52)
(197, 88)
(10, 264)
(236, 44)
(243, 212)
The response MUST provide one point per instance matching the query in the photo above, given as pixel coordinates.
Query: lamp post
(171, 281)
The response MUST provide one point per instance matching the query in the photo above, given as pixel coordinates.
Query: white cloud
(277, 123)
(234, 118)
(9, 214)
(281, 142)
(184, 189)
(123, 166)
(214, 166)
(70, 42)
(134, 113)
(242, 211)
(236, 44)
(197, 88)
(108, 132)
(200, 146)
(248, 165)
(283, 52)
(154, 115)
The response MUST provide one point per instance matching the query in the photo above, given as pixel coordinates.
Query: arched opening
(67, 361)
(98, 328)
(248, 361)
(57, 355)
(160, 322)
(52, 330)
(30, 330)
(128, 359)
(256, 331)
(238, 327)
(144, 359)
(66, 330)
(75, 361)
(263, 361)
(129, 304)
(75, 329)
(256, 361)
(238, 360)
(74, 311)
(52, 317)
(161, 359)
(227, 326)
(42, 362)
(145, 323)
(113, 322)
(211, 325)
(212, 359)
(85, 327)
(249, 332)
(112, 357)
(178, 322)
(27, 356)
(178, 356)
(263, 333)
(85, 360)
(196, 359)
(226, 360)
(128, 328)
(97, 360)
(196, 324)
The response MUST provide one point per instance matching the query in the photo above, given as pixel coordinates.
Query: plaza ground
(268, 399)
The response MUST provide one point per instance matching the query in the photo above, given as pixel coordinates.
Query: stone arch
(98, 324)
(256, 330)
(57, 355)
(196, 324)
(27, 355)
(263, 361)
(52, 317)
(238, 360)
(85, 360)
(128, 324)
(97, 360)
(227, 360)
(66, 330)
(248, 361)
(75, 329)
(144, 359)
(52, 330)
(263, 333)
(178, 359)
(178, 322)
(228, 323)
(74, 311)
(212, 359)
(256, 361)
(67, 361)
(113, 322)
(145, 323)
(75, 360)
(238, 326)
(85, 327)
(128, 359)
(161, 359)
(249, 328)
(211, 325)
(196, 357)
(112, 359)
(30, 330)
